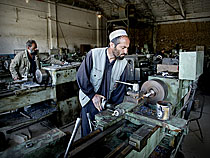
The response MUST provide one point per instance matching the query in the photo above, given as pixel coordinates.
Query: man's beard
(118, 57)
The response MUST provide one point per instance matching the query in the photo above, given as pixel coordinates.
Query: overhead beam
(182, 10)
(174, 9)
(117, 4)
(149, 8)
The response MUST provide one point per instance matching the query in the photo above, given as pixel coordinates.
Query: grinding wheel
(42, 76)
(159, 87)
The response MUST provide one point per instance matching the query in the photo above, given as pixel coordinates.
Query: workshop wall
(143, 35)
(20, 21)
(188, 35)
(76, 27)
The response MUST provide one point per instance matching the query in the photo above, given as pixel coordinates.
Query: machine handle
(73, 135)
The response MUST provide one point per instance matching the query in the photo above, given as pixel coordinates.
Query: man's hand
(97, 101)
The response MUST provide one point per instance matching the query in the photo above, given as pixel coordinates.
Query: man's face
(32, 49)
(121, 49)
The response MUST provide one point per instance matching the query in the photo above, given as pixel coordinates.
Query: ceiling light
(99, 15)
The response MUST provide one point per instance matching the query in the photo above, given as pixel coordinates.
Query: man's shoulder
(101, 48)
(98, 49)
(20, 54)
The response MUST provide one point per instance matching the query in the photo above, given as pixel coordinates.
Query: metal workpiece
(105, 105)
(118, 112)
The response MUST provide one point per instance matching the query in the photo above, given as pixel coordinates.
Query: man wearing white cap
(97, 75)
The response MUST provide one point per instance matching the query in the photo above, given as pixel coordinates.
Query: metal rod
(130, 84)
(73, 136)
(88, 117)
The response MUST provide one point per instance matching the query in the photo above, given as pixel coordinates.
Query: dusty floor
(192, 146)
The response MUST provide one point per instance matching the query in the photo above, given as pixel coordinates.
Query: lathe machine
(52, 96)
(151, 122)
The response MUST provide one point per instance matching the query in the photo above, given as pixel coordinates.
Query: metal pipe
(50, 26)
(56, 24)
(73, 136)
(97, 31)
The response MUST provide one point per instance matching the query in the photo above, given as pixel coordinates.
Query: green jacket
(20, 65)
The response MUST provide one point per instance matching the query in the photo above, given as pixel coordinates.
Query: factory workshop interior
(104, 78)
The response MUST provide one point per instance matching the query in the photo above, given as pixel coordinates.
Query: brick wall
(188, 35)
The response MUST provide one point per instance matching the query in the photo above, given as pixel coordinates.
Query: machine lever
(88, 117)
(73, 136)
(135, 85)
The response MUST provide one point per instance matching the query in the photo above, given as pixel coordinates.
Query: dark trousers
(88, 108)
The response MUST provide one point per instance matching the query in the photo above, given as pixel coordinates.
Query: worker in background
(27, 62)
(97, 75)
(161, 54)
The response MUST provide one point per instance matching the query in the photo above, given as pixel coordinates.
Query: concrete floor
(192, 146)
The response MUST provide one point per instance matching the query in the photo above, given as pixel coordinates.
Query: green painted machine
(46, 99)
(142, 126)
(149, 123)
